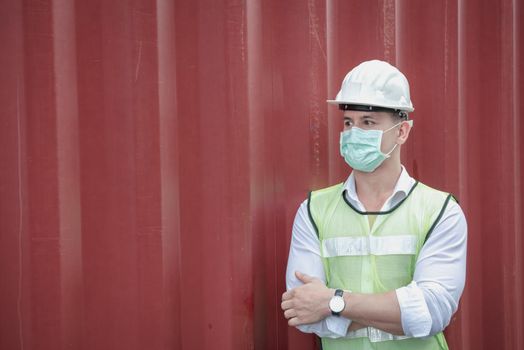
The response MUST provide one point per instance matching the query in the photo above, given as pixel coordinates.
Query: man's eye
(368, 122)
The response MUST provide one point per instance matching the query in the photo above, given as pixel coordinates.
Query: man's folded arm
(304, 256)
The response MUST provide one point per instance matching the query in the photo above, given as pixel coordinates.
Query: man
(379, 261)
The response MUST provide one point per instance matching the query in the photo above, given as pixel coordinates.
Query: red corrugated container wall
(153, 155)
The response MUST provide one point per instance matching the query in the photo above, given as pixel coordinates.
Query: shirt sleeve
(427, 304)
(304, 256)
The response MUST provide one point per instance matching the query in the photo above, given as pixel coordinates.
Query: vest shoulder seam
(442, 210)
(310, 215)
(328, 189)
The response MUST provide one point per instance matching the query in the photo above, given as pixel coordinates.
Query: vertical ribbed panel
(154, 154)
(68, 177)
(171, 317)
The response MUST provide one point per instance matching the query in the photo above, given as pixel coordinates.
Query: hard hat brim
(400, 108)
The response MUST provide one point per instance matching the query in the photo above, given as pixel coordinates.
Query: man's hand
(308, 303)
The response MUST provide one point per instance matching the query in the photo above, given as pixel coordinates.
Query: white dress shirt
(429, 301)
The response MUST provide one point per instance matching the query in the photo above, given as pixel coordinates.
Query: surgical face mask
(361, 148)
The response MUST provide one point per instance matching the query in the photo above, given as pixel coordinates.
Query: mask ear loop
(394, 126)
(410, 122)
(389, 153)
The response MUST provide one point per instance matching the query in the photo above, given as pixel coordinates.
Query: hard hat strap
(365, 108)
(352, 107)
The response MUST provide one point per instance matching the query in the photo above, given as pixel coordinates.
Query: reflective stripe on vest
(374, 335)
(365, 245)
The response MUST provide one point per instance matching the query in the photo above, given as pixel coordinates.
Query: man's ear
(403, 131)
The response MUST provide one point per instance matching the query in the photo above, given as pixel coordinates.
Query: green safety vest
(375, 259)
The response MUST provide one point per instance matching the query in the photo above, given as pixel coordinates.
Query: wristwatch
(337, 303)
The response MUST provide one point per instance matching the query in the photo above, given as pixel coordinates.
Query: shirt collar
(404, 184)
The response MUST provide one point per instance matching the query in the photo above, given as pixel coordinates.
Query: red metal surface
(154, 153)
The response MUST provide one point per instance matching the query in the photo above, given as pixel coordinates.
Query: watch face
(336, 304)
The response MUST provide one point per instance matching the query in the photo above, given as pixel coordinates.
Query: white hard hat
(374, 84)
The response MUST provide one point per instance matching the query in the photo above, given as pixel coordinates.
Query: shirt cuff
(338, 325)
(414, 312)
